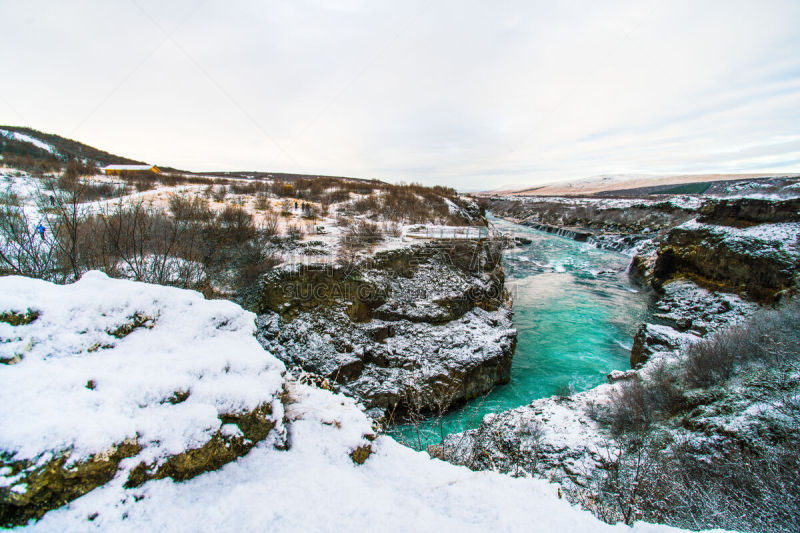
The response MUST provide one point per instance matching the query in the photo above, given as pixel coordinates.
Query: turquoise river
(576, 313)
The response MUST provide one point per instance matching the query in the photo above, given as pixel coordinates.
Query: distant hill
(20, 142)
(634, 185)
(282, 176)
(31, 149)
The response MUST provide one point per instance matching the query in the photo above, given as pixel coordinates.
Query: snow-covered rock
(424, 327)
(316, 486)
(759, 262)
(554, 438)
(108, 374)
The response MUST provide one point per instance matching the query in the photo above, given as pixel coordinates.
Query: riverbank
(713, 385)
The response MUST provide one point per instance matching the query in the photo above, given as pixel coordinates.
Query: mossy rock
(56, 482)
(136, 321)
(361, 454)
(218, 451)
(19, 319)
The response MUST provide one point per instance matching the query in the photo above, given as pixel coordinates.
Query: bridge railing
(447, 232)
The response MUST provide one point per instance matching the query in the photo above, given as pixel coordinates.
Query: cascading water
(576, 313)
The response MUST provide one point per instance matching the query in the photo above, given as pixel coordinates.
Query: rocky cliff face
(713, 274)
(617, 224)
(419, 328)
(684, 313)
(759, 262)
(744, 212)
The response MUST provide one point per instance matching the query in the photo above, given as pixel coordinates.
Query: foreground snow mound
(105, 373)
(317, 486)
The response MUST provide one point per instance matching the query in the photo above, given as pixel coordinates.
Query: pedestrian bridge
(429, 231)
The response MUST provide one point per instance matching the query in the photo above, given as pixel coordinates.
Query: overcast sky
(470, 94)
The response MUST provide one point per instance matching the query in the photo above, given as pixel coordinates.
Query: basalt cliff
(423, 327)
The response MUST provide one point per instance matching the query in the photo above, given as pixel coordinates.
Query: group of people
(304, 207)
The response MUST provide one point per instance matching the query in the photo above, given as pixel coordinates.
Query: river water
(576, 313)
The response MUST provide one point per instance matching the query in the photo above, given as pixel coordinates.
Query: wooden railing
(447, 232)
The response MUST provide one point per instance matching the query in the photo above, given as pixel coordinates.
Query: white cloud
(464, 93)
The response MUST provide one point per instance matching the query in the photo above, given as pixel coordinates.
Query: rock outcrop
(713, 272)
(113, 379)
(624, 225)
(423, 327)
(744, 212)
(759, 262)
(555, 438)
(683, 314)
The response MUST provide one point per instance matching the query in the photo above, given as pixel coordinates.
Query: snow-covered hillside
(28, 139)
(100, 362)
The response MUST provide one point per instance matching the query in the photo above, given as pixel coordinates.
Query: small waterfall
(561, 232)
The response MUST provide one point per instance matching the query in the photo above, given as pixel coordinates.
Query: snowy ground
(323, 233)
(316, 487)
(313, 486)
(83, 383)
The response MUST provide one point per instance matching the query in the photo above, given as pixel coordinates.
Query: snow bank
(102, 360)
(315, 486)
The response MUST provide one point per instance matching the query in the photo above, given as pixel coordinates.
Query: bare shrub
(712, 361)
(309, 211)
(249, 187)
(23, 251)
(393, 229)
(337, 195)
(620, 483)
(86, 190)
(365, 205)
(637, 403)
(685, 484)
(282, 189)
(220, 191)
(294, 232)
(152, 247)
(191, 208)
(262, 202)
(630, 410)
(362, 233)
(565, 390)
(270, 225)
(746, 482)
(770, 337)
(234, 225)
(255, 263)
